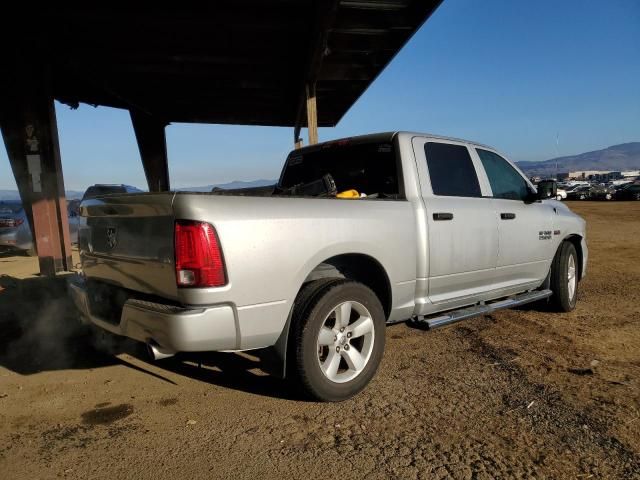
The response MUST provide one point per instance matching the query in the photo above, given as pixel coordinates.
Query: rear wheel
(338, 339)
(564, 278)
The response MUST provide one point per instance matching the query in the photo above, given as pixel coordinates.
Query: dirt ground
(517, 394)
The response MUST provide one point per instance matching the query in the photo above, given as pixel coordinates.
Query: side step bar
(456, 315)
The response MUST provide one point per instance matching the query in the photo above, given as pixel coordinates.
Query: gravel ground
(516, 394)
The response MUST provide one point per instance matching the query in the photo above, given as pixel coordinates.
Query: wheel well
(358, 267)
(577, 243)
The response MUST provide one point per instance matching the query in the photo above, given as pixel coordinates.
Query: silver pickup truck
(430, 229)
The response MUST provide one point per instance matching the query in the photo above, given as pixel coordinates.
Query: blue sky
(511, 74)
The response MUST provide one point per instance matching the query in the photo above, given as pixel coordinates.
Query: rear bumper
(13, 240)
(171, 329)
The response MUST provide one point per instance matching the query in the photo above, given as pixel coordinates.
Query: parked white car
(561, 194)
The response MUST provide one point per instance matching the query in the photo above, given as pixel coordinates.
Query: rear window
(10, 208)
(98, 190)
(369, 168)
(451, 170)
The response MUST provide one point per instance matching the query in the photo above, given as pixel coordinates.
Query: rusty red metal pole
(30, 133)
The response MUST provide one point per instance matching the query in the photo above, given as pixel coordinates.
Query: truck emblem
(112, 237)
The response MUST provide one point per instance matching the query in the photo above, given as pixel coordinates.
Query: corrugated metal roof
(234, 62)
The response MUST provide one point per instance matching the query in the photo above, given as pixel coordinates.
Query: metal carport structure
(293, 63)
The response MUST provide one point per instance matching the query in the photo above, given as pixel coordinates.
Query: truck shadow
(40, 330)
(236, 371)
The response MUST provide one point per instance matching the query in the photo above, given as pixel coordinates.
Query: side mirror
(547, 189)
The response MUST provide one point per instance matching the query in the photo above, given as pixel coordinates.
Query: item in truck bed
(323, 187)
(348, 194)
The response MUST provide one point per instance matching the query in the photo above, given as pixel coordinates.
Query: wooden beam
(312, 114)
(152, 144)
(325, 15)
(30, 133)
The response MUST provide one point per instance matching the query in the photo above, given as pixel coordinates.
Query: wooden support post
(297, 141)
(30, 133)
(312, 114)
(152, 144)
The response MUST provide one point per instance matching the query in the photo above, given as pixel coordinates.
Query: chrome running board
(442, 319)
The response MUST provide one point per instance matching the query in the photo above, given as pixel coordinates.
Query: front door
(525, 228)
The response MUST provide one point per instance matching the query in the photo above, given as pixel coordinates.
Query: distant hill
(73, 194)
(625, 156)
(13, 195)
(229, 185)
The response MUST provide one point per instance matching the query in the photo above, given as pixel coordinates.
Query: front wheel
(339, 340)
(564, 278)
(559, 197)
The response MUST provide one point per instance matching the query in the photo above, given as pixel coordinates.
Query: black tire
(561, 300)
(310, 313)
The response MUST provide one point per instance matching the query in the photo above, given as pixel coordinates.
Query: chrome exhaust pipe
(156, 353)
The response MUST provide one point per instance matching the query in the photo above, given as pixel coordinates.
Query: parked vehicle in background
(561, 194)
(601, 192)
(15, 233)
(357, 233)
(590, 192)
(579, 192)
(14, 228)
(100, 189)
(630, 191)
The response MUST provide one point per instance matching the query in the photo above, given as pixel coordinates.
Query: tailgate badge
(112, 237)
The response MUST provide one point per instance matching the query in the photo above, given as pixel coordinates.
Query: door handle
(507, 216)
(442, 216)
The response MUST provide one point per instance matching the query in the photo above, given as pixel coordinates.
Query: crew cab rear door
(525, 228)
(462, 230)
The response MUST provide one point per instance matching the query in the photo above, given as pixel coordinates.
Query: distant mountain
(230, 185)
(14, 195)
(621, 157)
(73, 194)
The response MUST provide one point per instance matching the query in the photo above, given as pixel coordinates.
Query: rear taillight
(11, 222)
(199, 260)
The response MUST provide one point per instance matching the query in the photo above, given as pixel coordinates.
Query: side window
(505, 181)
(451, 170)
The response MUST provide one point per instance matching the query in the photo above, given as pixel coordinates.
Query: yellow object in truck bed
(348, 194)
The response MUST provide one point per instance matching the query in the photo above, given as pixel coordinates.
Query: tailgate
(127, 241)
